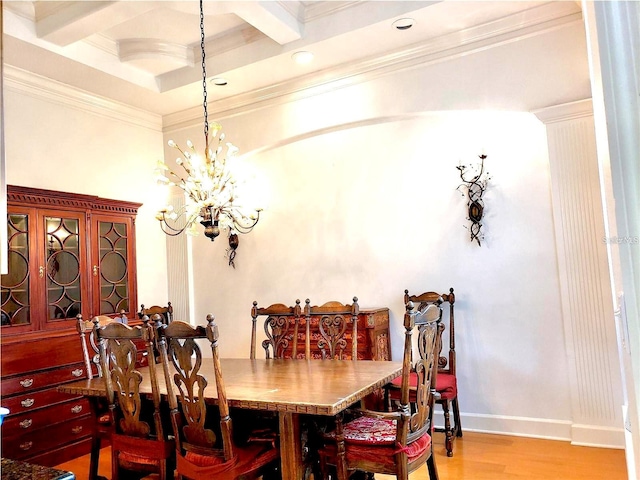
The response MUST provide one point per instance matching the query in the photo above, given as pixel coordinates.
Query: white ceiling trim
(510, 29)
(148, 48)
(43, 88)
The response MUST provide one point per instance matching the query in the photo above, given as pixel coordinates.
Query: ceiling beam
(64, 23)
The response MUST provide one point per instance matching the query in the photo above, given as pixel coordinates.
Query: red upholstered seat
(447, 385)
(374, 439)
(204, 460)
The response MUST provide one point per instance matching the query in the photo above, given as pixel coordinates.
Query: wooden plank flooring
(479, 456)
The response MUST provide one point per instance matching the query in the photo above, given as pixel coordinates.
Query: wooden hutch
(68, 254)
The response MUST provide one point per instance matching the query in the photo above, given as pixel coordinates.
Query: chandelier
(209, 185)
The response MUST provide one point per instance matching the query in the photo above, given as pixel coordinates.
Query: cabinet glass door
(64, 292)
(16, 290)
(113, 239)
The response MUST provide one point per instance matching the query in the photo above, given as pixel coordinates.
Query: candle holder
(474, 184)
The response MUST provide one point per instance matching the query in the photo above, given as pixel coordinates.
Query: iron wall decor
(474, 184)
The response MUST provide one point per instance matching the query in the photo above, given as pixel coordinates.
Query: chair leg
(456, 417)
(95, 457)
(431, 467)
(447, 428)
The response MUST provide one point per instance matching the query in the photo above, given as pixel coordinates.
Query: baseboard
(585, 435)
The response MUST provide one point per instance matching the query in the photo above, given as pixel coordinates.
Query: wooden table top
(319, 387)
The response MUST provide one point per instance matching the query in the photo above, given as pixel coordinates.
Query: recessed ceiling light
(403, 23)
(221, 82)
(302, 57)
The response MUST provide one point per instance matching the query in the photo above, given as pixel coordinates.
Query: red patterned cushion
(370, 431)
(381, 454)
(447, 386)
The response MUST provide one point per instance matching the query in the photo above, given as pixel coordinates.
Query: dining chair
(139, 443)
(282, 330)
(166, 313)
(393, 443)
(205, 446)
(102, 420)
(337, 324)
(447, 383)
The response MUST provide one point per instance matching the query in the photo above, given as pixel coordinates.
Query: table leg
(290, 446)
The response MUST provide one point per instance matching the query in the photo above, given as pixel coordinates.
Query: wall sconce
(474, 180)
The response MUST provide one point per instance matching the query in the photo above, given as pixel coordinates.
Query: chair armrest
(375, 414)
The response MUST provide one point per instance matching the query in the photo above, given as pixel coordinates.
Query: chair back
(90, 350)
(446, 364)
(334, 320)
(281, 327)
(118, 355)
(177, 346)
(415, 419)
(165, 312)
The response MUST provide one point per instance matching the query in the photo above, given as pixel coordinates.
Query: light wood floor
(479, 456)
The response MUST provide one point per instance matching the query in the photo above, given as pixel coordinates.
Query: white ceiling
(147, 53)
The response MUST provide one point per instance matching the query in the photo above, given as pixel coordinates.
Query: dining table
(289, 387)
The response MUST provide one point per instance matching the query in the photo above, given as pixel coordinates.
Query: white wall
(55, 142)
(360, 199)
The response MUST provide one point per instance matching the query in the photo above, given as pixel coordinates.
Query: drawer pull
(77, 372)
(26, 423)
(26, 445)
(27, 382)
(76, 409)
(27, 402)
(76, 430)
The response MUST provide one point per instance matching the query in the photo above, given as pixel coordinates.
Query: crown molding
(536, 21)
(565, 112)
(43, 88)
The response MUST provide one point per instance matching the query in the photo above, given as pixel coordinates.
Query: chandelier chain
(204, 81)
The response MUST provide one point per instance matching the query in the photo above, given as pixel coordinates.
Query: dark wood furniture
(447, 382)
(291, 388)
(338, 326)
(202, 450)
(139, 442)
(67, 254)
(374, 341)
(165, 312)
(281, 328)
(393, 443)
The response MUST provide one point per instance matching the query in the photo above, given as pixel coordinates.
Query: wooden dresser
(68, 254)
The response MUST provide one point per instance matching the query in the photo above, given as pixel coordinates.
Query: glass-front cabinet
(67, 254)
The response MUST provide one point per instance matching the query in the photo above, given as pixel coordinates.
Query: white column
(585, 297)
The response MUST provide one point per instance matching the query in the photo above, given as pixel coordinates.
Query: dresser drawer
(62, 454)
(27, 422)
(32, 401)
(35, 381)
(39, 441)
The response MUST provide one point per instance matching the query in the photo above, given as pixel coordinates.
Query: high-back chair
(166, 313)
(139, 443)
(447, 382)
(204, 450)
(91, 355)
(282, 329)
(337, 323)
(394, 443)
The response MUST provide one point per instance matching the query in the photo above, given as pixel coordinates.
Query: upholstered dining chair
(282, 330)
(139, 443)
(205, 450)
(393, 443)
(447, 383)
(91, 355)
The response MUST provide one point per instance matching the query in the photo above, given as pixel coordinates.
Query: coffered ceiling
(147, 54)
